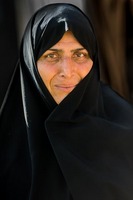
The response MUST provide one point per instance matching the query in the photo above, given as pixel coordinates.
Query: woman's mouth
(65, 88)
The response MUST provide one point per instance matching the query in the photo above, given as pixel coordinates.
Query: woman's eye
(80, 56)
(50, 57)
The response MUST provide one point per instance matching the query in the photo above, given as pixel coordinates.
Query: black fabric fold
(80, 149)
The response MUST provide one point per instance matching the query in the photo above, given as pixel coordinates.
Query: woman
(64, 134)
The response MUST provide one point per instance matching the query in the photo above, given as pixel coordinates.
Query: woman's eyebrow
(78, 49)
(60, 50)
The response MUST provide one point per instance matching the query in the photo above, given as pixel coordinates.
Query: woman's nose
(66, 67)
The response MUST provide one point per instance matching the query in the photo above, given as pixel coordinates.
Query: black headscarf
(80, 149)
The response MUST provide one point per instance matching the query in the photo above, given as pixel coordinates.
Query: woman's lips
(65, 88)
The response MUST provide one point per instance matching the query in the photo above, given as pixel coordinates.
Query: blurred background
(113, 24)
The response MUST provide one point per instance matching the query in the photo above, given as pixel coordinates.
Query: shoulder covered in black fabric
(116, 107)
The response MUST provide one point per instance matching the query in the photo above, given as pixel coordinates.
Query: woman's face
(63, 66)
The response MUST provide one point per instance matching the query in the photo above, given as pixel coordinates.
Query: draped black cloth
(81, 149)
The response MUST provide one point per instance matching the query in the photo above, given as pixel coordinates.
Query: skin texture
(63, 66)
